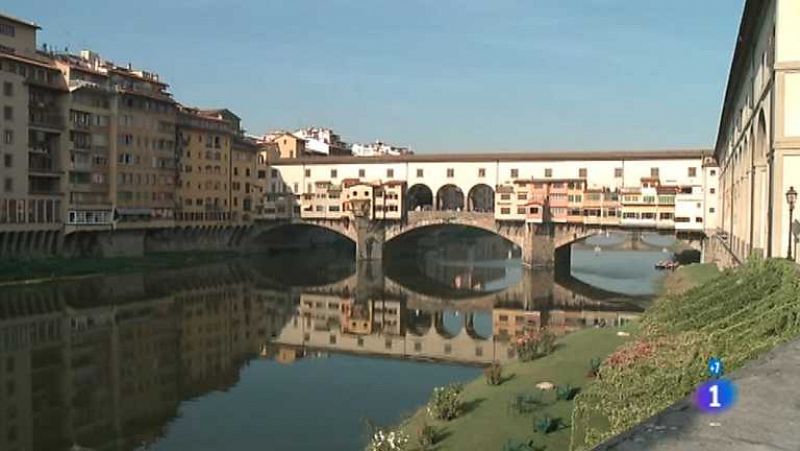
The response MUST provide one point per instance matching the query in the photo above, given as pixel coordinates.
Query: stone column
(370, 238)
(538, 250)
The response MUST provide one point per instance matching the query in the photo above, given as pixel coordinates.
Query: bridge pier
(538, 249)
(370, 236)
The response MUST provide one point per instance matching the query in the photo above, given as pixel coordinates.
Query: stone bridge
(542, 245)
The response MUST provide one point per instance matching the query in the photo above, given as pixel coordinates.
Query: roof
(748, 27)
(20, 21)
(495, 157)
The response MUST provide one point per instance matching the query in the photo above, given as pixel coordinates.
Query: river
(285, 352)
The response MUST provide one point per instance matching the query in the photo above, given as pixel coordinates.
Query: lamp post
(791, 199)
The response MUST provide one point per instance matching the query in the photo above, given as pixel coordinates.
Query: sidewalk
(765, 418)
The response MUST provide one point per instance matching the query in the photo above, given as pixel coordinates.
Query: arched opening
(450, 198)
(481, 199)
(420, 197)
(297, 238)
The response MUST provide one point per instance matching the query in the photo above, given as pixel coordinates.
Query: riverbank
(737, 316)
(489, 421)
(46, 270)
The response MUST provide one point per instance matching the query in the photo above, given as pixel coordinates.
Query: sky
(435, 75)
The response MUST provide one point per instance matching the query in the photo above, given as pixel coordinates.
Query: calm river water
(287, 352)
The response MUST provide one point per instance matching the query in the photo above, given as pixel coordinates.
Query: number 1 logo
(715, 396)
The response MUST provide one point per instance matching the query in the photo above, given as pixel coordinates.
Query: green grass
(489, 423)
(687, 277)
(15, 271)
(736, 316)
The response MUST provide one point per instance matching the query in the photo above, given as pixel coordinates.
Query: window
(7, 29)
(308, 172)
(235, 171)
(481, 172)
(665, 216)
(582, 173)
(548, 172)
(520, 210)
(692, 172)
(8, 113)
(8, 160)
(618, 172)
(8, 137)
(419, 172)
(334, 173)
(713, 172)
(522, 196)
(8, 185)
(362, 173)
(711, 210)
(8, 89)
(698, 219)
(390, 173)
(505, 211)
(712, 190)
(514, 173)
(653, 172)
(451, 172)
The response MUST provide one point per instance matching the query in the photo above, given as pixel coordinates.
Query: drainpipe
(771, 162)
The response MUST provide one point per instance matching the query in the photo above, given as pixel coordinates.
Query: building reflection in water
(105, 362)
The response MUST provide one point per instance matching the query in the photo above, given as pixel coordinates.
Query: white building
(377, 149)
(322, 141)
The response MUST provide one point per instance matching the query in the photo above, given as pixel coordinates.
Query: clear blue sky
(437, 75)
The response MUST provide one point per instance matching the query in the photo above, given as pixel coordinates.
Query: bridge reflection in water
(368, 313)
(105, 362)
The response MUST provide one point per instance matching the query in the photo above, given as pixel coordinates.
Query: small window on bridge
(362, 173)
(618, 172)
(481, 172)
(548, 172)
(582, 173)
(334, 173)
(420, 172)
(514, 173)
(308, 172)
(390, 173)
(451, 172)
(692, 172)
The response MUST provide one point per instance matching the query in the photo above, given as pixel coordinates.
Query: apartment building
(288, 145)
(145, 167)
(205, 140)
(90, 146)
(32, 131)
(249, 178)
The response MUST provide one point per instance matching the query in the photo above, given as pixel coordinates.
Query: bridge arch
(259, 234)
(482, 221)
(450, 198)
(481, 198)
(419, 196)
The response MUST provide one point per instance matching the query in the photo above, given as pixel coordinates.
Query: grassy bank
(17, 271)
(489, 422)
(736, 315)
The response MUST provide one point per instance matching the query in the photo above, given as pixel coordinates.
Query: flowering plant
(445, 403)
(385, 440)
(534, 343)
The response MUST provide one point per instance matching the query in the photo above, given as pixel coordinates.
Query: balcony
(45, 118)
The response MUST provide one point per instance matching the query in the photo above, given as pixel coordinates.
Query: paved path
(765, 418)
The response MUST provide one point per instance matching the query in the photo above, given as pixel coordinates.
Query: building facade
(758, 143)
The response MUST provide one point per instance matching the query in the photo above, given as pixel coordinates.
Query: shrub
(594, 367)
(533, 344)
(427, 436)
(388, 440)
(546, 424)
(566, 392)
(493, 374)
(445, 403)
(523, 403)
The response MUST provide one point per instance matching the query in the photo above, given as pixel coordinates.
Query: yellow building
(248, 180)
(204, 149)
(33, 101)
(145, 170)
(289, 146)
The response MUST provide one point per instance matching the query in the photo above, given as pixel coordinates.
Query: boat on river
(667, 264)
